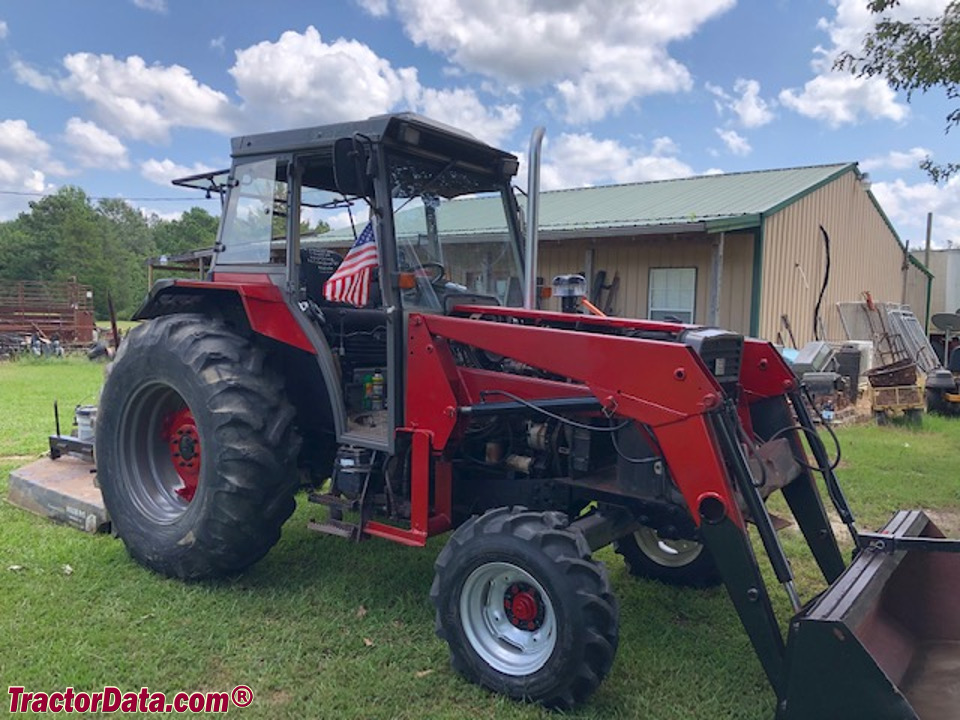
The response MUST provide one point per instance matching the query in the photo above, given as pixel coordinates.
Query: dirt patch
(278, 697)
(947, 520)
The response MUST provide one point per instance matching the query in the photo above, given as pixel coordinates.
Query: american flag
(351, 281)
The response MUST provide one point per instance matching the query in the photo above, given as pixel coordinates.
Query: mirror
(350, 168)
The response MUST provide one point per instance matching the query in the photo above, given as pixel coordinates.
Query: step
(334, 501)
(335, 527)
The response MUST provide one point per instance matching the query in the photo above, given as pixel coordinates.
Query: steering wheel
(428, 281)
(439, 272)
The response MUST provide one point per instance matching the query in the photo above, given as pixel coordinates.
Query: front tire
(195, 448)
(685, 563)
(524, 609)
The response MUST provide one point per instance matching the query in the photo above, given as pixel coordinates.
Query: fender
(266, 311)
(262, 301)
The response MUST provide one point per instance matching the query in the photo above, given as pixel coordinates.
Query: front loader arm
(662, 385)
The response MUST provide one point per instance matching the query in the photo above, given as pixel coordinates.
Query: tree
(63, 236)
(913, 56)
(127, 236)
(195, 229)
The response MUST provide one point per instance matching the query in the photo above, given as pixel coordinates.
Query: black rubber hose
(823, 288)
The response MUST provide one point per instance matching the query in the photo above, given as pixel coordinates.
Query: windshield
(452, 233)
(248, 221)
(254, 226)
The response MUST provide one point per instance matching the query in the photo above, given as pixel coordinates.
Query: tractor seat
(316, 267)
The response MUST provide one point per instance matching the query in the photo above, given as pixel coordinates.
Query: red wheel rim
(180, 433)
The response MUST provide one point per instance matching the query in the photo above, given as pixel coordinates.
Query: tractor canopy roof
(406, 130)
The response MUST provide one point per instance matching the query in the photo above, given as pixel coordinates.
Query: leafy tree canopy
(104, 245)
(919, 55)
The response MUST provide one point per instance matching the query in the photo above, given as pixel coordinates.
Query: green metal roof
(720, 202)
(710, 203)
(726, 201)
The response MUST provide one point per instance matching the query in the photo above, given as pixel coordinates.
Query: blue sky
(120, 96)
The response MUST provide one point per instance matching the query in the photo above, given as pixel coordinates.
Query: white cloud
(612, 81)
(735, 142)
(300, 79)
(853, 20)
(219, 44)
(841, 99)
(896, 160)
(27, 153)
(134, 99)
(17, 139)
(580, 160)
(163, 171)
(377, 8)
(750, 109)
(25, 163)
(336, 220)
(664, 146)
(838, 97)
(31, 77)
(907, 206)
(157, 6)
(598, 56)
(461, 108)
(4, 30)
(152, 214)
(94, 147)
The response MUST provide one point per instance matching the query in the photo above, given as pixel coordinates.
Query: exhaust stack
(533, 218)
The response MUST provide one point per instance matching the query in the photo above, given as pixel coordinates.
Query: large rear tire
(195, 448)
(686, 563)
(524, 609)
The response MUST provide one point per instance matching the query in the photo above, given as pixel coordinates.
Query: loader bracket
(881, 542)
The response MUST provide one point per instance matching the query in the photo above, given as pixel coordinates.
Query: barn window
(673, 293)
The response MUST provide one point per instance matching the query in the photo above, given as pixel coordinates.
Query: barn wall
(865, 256)
(737, 282)
(630, 258)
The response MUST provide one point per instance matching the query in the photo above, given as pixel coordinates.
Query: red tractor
(408, 384)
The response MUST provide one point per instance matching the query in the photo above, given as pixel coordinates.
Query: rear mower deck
(62, 490)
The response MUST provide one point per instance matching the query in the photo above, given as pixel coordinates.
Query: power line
(22, 193)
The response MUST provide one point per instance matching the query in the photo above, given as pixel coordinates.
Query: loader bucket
(883, 641)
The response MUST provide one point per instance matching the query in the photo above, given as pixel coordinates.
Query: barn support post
(716, 280)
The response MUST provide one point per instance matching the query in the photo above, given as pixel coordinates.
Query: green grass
(324, 628)
(28, 388)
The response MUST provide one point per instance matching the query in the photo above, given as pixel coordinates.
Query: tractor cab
(297, 206)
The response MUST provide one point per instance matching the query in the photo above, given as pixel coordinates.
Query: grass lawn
(323, 628)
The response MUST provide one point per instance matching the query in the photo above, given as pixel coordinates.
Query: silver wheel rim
(145, 464)
(669, 553)
(489, 628)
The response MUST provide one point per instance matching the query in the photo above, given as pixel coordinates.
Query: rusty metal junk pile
(900, 349)
(36, 315)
